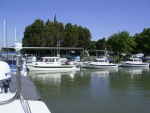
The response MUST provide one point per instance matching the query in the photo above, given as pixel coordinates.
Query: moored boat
(101, 62)
(51, 64)
(134, 62)
(10, 58)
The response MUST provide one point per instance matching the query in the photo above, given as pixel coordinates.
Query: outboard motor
(5, 76)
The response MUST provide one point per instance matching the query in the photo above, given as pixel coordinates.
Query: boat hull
(135, 64)
(96, 66)
(62, 68)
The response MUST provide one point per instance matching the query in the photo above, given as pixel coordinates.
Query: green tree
(92, 45)
(58, 33)
(121, 42)
(86, 38)
(33, 34)
(71, 36)
(143, 41)
(101, 44)
(50, 33)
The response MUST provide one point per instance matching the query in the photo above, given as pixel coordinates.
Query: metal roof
(61, 48)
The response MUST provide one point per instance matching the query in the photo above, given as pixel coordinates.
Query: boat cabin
(101, 60)
(134, 60)
(50, 59)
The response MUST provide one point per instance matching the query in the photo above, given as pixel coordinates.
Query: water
(121, 90)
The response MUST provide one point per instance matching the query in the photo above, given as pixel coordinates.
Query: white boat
(138, 55)
(51, 64)
(10, 58)
(86, 60)
(134, 62)
(13, 101)
(101, 62)
(9, 100)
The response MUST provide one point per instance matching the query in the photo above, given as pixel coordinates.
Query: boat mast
(4, 33)
(15, 35)
(58, 49)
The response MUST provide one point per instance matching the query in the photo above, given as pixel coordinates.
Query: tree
(50, 33)
(92, 45)
(101, 44)
(86, 38)
(33, 34)
(143, 41)
(71, 35)
(121, 42)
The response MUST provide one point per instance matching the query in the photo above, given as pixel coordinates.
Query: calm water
(122, 90)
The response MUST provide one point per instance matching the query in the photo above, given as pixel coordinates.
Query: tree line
(48, 34)
(122, 42)
(40, 34)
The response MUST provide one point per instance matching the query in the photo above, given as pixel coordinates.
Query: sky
(102, 17)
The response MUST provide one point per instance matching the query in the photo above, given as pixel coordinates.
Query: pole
(4, 34)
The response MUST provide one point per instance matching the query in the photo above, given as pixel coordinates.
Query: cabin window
(57, 60)
(101, 61)
(130, 60)
(51, 60)
(46, 60)
(41, 60)
(96, 60)
(106, 61)
(136, 60)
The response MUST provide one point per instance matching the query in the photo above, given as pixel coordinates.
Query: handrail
(17, 94)
(25, 105)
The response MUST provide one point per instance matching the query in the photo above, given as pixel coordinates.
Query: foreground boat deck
(28, 89)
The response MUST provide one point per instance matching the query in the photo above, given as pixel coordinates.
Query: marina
(116, 90)
(63, 59)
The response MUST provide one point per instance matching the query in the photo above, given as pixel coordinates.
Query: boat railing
(18, 47)
(6, 87)
(25, 105)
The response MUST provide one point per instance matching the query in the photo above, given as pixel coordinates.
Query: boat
(86, 60)
(101, 62)
(51, 64)
(138, 55)
(134, 62)
(12, 94)
(10, 58)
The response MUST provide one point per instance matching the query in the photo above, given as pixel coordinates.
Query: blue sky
(102, 17)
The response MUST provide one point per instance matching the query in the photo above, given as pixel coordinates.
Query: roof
(61, 48)
(50, 57)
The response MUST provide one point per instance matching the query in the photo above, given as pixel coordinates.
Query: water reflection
(103, 73)
(52, 77)
(96, 90)
(134, 72)
(56, 77)
(100, 72)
